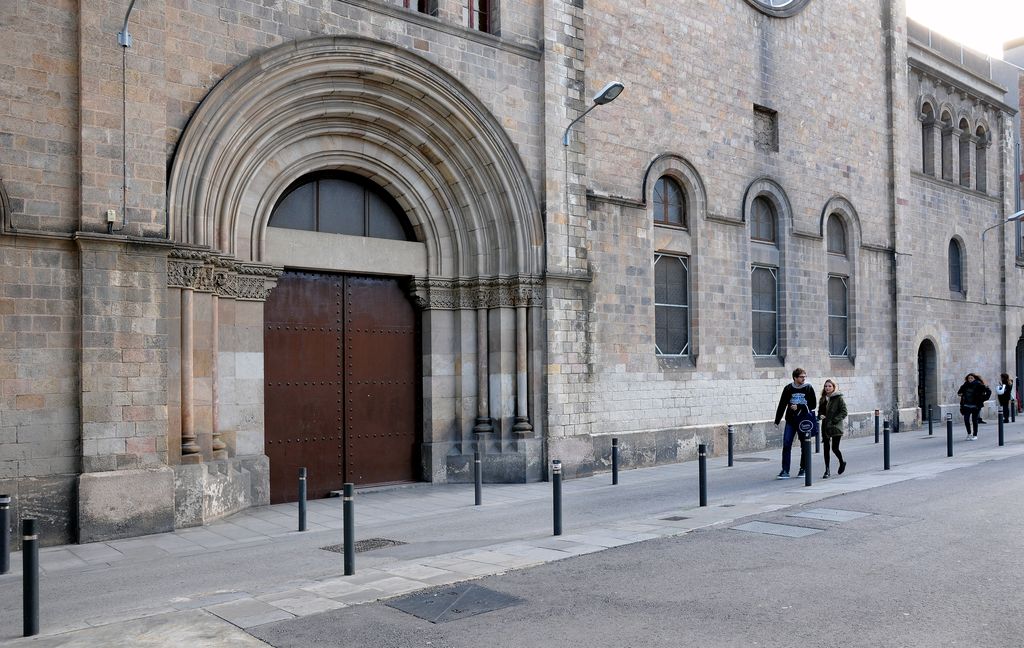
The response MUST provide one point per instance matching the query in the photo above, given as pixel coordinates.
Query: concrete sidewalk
(424, 514)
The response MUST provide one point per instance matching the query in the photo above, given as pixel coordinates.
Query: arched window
(965, 153)
(669, 202)
(762, 221)
(341, 204)
(836, 235)
(956, 268)
(947, 146)
(982, 179)
(927, 139)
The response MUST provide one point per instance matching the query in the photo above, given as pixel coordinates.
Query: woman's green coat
(833, 411)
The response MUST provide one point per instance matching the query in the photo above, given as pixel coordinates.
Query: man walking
(796, 397)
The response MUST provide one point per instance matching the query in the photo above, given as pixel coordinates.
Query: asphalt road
(937, 563)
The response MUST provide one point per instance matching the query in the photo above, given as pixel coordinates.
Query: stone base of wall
(209, 491)
(518, 462)
(123, 503)
(586, 455)
(50, 500)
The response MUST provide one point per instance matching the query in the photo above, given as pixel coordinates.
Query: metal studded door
(303, 331)
(380, 382)
(340, 368)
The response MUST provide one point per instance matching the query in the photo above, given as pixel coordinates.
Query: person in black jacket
(796, 397)
(973, 394)
(1005, 393)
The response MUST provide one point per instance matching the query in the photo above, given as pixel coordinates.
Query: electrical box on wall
(111, 216)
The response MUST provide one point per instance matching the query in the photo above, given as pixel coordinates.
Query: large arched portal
(468, 253)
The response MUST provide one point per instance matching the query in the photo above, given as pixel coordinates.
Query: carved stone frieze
(485, 292)
(205, 271)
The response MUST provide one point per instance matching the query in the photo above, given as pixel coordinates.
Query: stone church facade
(346, 235)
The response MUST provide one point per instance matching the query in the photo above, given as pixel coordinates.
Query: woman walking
(1005, 392)
(831, 413)
(973, 394)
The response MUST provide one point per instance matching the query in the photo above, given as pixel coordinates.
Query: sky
(983, 25)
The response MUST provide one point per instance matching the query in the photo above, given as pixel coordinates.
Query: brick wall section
(124, 356)
(39, 112)
(39, 426)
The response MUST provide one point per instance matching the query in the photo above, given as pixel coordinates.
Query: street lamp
(984, 277)
(606, 95)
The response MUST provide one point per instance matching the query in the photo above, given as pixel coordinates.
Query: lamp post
(606, 95)
(984, 276)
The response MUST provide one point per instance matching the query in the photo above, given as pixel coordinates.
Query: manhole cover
(751, 459)
(370, 544)
(450, 603)
(770, 528)
(726, 505)
(830, 515)
(675, 518)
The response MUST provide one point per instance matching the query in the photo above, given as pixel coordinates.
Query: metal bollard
(350, 530)
(817, 440)
(702, 473)
(805, 460)
(556, 493)
(5, 534)
(732, 444)
(615, 461)
(930, 420)
(30, 576)
(302, 499)
(885, 448)
(1000, 428)
(876, 425)
(949, 435)
(478, 480)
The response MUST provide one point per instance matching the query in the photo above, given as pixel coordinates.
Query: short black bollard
(5, 534)
(1000, 428)
(885, 448)
(30, 576)
(805, 460)
(930, 420)
(615, 461)
(556, 494)
(949, 435)
(732, 444)
(876, 425)
(478, 480)
(302, 499)
(350, 530)
(702, 474)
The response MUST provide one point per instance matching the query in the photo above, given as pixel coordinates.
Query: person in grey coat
(832, 412)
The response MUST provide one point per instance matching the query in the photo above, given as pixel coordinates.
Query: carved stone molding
(209, 272)
(486, 292)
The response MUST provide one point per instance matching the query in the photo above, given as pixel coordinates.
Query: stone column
(219, 447)
(189, 448)
(483, 416)
(522, 425)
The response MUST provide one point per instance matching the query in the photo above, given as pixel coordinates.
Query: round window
(779, 8)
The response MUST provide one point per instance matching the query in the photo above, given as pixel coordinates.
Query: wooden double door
(341, 383)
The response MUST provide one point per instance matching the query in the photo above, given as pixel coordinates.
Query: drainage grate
(450, 603)
(751, 459)
(675, 518)
(370, 544)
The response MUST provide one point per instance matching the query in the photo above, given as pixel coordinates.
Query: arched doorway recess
(368, 109)
(927, 378)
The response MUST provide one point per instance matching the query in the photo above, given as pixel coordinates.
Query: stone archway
(363, 107)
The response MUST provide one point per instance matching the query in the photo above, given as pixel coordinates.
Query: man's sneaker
(783, 475)
(974, 437)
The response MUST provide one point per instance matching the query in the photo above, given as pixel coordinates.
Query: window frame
(772, 212)
(664, 205)
(959, 288)
(474, 10)
(685, 352)
(775, 275)
(835, 222)
(832, 317)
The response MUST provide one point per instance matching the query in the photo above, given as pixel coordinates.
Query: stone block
(212, 490)
(124, 503)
